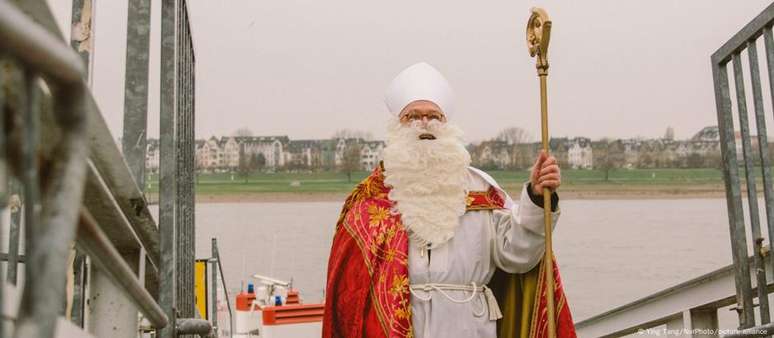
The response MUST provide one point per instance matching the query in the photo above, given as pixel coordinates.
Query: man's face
(421, 112)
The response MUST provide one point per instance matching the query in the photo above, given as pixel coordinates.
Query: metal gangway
(690, 309)
(95, 262)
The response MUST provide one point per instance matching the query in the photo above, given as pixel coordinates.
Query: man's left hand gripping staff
(545, 174)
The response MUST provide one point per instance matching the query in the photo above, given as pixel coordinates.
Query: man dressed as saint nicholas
(428, 246)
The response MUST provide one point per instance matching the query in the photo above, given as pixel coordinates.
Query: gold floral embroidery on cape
(383, 242)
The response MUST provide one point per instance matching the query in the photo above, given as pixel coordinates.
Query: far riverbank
(577, 184)
(600, 192)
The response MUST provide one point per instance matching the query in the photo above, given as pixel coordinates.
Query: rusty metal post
(134, 141)
(733, 195)
(184, 219)
(181, 216)
(168, 169)
(749, 168)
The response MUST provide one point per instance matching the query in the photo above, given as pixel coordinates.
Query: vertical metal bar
(4, 195)
(31, 118)
(141, 266)
(768, 39)
(180, 214)
(190, 158)
(79, 289)
(4, 177)
(168, 169)
(134, 141)
(14, 232)
(192, 147)
(191, 139)
(733, 195)
(189, 166)
(763, 153)
(752, 192)
(136, 89)
(178, 210)
(216, 254)
(82, 33)
(214, 291)
(184, 220)
(10, 70)
(187, 263)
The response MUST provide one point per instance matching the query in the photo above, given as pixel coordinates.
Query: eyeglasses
(414, 115)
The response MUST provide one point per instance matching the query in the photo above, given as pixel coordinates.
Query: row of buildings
(498, 154)
(278, 153)
(282, 153)
(701, 150)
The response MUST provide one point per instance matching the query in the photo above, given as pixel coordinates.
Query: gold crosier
(538, 36)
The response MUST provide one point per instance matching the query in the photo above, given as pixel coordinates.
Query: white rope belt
(489, 298)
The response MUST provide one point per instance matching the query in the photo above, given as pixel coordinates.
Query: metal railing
(74, 185)
(686, 309)
(731, 52)
(692, 306)
(52, 211)
(217, 272)
(176, 172)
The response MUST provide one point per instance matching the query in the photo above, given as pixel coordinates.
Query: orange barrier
(292, 314)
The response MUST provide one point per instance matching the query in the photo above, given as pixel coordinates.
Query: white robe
(511, 239)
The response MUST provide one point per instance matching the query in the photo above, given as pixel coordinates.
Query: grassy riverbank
(622, 183)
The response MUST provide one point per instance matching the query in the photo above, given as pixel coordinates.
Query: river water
(610, 252)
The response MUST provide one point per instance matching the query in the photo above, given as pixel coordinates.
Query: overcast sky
(307, 68)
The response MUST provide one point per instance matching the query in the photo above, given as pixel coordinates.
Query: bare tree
(524, 155)
(514, 135)
(244, 131)
(260, 161)
(694, 160)
(247, 164)
(713, 160)
(348, 133)
(608, 155)
(351, 160)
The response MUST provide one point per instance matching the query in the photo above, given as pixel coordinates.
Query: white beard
(428, 179)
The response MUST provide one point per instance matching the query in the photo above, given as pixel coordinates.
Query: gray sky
(307, 68)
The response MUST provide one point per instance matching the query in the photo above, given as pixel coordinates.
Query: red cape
(367, 289)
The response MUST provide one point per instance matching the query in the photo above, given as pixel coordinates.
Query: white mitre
(420, 81)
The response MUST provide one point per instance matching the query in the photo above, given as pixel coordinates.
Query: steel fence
(65, 181)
